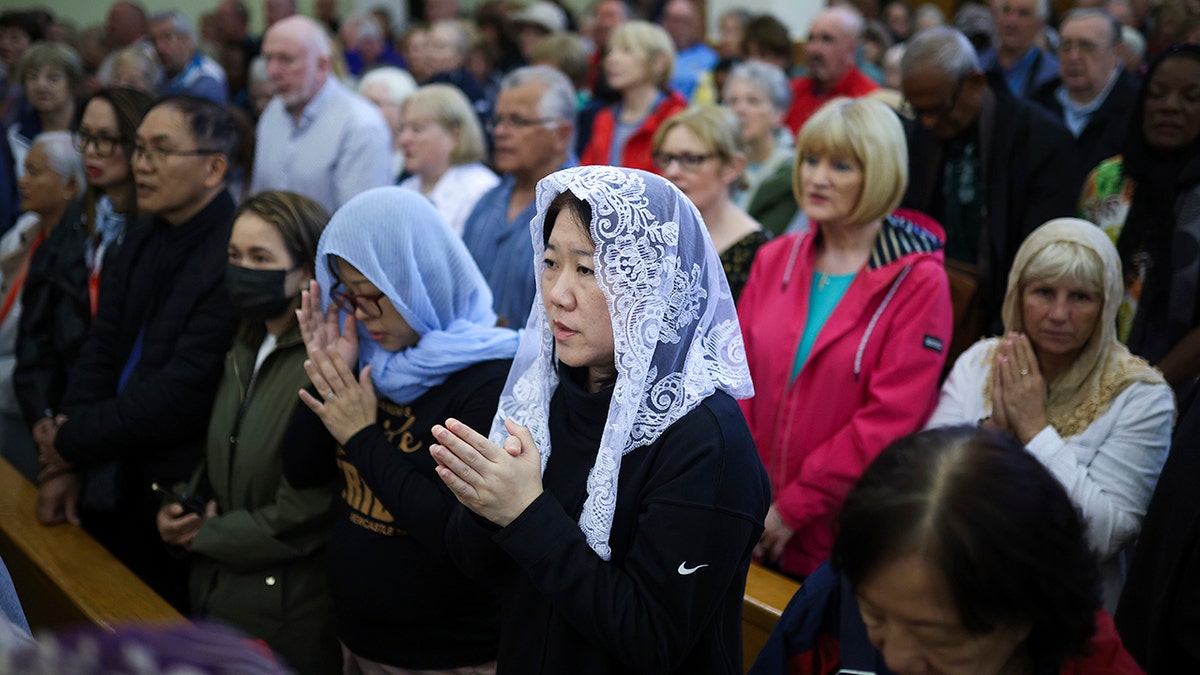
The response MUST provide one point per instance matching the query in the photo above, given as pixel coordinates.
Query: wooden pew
(767, 593)
(63, 576)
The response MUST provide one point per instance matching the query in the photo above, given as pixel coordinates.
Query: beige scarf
(1105, 367)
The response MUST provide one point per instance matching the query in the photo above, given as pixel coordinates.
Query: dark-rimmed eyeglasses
(350, 303)
(158, 156)
(517, 123)
(940, 111)
(687, 161)
(103, 143)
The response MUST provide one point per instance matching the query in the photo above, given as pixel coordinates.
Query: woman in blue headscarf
(417, 321)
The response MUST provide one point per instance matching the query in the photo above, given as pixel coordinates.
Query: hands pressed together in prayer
(347, 404)
(496, 482)
(1018, 390)
(59, 486)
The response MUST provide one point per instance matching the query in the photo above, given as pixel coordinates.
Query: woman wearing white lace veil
(620, 496)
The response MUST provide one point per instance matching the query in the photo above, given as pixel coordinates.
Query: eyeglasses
(351, 303)
(518, 123)
(1085, 48)
(158, 156)
(942, 110)
(687, 161)
(104, 144)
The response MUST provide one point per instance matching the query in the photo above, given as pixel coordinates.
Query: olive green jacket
(260, 564)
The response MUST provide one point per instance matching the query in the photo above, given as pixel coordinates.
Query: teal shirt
(823, 297)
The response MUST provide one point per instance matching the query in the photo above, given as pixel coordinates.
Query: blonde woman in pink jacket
(845, 325)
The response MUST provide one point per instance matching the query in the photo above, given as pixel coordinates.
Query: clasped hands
(495, 482)
(347, 404)
(1018, 389)
(58, 484)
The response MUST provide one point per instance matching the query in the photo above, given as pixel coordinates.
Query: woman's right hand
(179, 528)
(321, 332)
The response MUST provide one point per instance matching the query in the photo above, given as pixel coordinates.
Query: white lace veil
(675, 329)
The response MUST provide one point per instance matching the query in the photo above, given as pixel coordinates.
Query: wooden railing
(767, 593)
(63, 576)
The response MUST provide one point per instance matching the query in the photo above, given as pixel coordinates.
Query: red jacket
(871, 377)
(806, 101)
(639, 147)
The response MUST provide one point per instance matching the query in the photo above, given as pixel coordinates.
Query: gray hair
(930, 10)
(557, 102)
(1114, 26)
(257, 72)
(1042, 10)
(179, 21)
(767, 76)
(1135, 43)
(398, 83)
(367, 28)
(942, 47)
(64, 159)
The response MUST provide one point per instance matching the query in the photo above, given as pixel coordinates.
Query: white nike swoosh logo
(684, 570)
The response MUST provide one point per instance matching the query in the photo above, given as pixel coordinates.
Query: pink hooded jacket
(872, 375)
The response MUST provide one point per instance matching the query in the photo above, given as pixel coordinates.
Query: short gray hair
(769, 77)
(943, 47)
(1114, 26)
(366, 26)
(179, 21)
(64, 159)
(398, 83)
(557, 102)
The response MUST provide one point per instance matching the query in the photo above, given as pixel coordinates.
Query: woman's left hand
(1024, 389)
(497, 483)
(776, 534)
(347, 405)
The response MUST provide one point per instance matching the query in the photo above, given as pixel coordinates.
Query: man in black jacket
(1094, 95)
(987, 166)
(138, 401)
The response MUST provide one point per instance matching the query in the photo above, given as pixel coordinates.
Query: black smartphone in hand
(190, 503)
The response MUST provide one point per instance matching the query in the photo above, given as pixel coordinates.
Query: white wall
(795, 14)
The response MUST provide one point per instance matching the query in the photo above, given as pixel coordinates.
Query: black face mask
(258, 295)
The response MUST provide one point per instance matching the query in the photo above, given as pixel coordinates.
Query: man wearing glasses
(138, 400)
(534, 128)
(986, 165)
(1093, 94)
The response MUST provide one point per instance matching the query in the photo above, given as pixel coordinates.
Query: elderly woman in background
(957, 552)
(132, 68)
(699, 151)
(387, 87)
(53, 178)
(846, 326)
(759, 94)
(1059, 381)
(638, 66)
(52, 75)
(444, 148)
(1148, 201)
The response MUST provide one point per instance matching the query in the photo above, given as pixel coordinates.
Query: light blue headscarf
(399, 242)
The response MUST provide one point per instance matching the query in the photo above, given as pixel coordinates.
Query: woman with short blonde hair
(443, 150)
(857, 309)
(638, 65)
